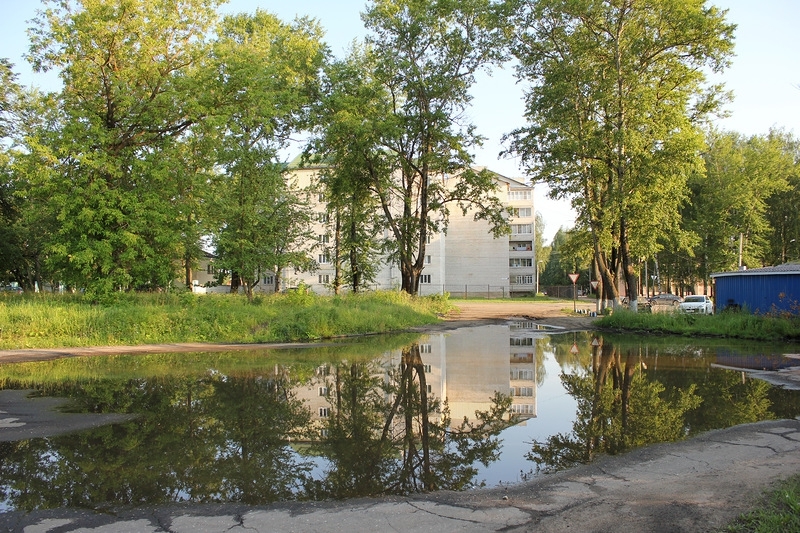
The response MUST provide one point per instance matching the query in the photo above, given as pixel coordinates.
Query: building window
(324, 412)
(324, 239)
(210, 269)
(520, 262)
(321, 197)
(427, 369)
(521, 341)
(323, 259)
(519, 195)
(523, 409)
(323, 391)
(430, 389)
(522, 280)
(427, 260)
(269, 280)
(324, 278)
(526, 375)
(425, 278)
(323, 217)
(521, 228)
(521, 391)
(521, 212)
(424, 348)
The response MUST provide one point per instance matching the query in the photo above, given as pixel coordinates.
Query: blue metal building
(760, 290)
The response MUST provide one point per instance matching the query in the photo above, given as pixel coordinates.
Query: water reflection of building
(466, 367)
(522, 362)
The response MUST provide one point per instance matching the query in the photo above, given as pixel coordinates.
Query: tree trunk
(337, 259)
(631, 279)
(235, 282)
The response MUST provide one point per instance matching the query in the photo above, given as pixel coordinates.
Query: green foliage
(39, 321)
(422, 61)
(128, 93)
(262, 78)
(779, 511)
(616, 93)
(732, 325)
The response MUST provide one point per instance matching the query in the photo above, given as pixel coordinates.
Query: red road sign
(594, 283)
(574, 278)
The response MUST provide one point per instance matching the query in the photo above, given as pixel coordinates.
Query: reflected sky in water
(384, 415)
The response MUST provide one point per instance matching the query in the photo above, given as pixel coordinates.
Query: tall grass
(779, 513)
(733, 325)
(46, 321)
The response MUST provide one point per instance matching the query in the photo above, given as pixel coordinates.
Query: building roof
(786, 268)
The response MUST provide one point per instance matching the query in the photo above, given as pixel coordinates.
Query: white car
(697, 304)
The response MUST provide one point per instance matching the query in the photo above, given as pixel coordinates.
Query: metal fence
(477, 291)
(559, 291)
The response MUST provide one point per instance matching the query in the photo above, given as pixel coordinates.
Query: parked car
(12, 289)
(664, 299)
(697, 304)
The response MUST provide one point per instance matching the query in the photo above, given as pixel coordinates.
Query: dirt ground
(559, 313)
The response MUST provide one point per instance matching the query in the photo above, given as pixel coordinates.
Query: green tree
(736, 202)
(783, 217)
(128, 88)
(426, 55)
(616, 91)
(28, 120)
(345, 146)
(9, 209)
(262, 80)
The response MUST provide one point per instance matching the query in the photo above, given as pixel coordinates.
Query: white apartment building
(466, 260)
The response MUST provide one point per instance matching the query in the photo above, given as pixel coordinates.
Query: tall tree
(126, 67)
(426, 54)
(616, 91)
(9, 210)
(264, 76)
(346, 145)
(735, 203)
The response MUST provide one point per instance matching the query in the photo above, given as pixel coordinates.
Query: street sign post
(574, 278)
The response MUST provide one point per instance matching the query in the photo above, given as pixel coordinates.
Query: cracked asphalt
(696, 485)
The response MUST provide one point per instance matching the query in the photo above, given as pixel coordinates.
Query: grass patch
(779, 513)
(50, 321)
(730, 325)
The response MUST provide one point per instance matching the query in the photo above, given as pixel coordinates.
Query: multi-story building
(466, 260)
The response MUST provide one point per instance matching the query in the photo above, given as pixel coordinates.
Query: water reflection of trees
(217, 438)
(387, 434)
(628, 398)
(618, 408)
(221, 437)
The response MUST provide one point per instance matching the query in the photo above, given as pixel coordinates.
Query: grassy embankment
(48, 321)
(731, 325)
(780, 512)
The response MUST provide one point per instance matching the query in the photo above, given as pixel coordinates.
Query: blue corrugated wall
(759, 293)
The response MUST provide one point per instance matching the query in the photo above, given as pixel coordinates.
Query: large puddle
(471, 407)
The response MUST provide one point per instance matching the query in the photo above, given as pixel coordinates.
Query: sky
(764, 76)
